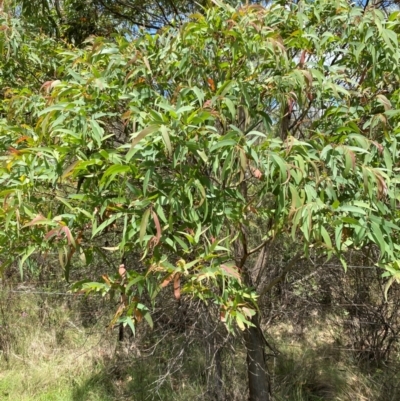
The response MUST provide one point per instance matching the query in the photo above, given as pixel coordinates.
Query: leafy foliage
(179, 142)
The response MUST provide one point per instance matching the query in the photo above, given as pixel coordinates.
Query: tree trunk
(253, 336)
(256, 363)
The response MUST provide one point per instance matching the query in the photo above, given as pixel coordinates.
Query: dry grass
(313, 366)
(52, 353)
(46, 355)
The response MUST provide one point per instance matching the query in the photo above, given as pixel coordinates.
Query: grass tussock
(312, 366)
(46, 353)
(60, 350)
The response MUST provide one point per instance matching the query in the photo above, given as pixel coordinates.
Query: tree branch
(259, 247)
(290, 265)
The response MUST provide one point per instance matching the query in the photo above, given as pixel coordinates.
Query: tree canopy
(199, 144)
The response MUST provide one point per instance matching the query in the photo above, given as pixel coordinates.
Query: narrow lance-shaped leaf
(143, 224)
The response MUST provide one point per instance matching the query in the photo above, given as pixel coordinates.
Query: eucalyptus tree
(75, 20)
(183, 143)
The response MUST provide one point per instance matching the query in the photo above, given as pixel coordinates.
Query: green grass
(55, 380)
(58, 357)
(48, 354)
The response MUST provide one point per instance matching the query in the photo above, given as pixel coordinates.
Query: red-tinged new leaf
(249, 313)
(207, 104)
(166, 281)
(138, 315)
(122, 270)
(382, 187)
(177, 286)
(231, 271)
(106, 279)
(158, 227)
(223, 316)
(291, 104)
(23, 138)
(378, 146)
(46, 86)
(308, 76)
(39, 219)
(302, 58)
(68, 234)
(211, 83)
(256, 172)
(52, 233)
(13, 151)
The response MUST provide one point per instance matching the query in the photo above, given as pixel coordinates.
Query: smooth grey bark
(253, 336)
(256, 363)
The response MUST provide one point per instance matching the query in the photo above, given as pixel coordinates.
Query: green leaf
(25, 255)
(338, 237)
(296, 201)
(222, 144)
(231, 107)
(149, 319)
(280, 163)
(388, 159)
(378, 237)
(142, 134)
(160, 212)
(326, 237)
(146, 180)
(199, 94)
(114, 170)
(104, 224)
(131, 324)
(166, 139)
(97, 132)
(182, 244)
(351, 209)
(143, 225)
